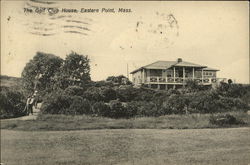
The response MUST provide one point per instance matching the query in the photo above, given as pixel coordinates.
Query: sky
(214, 34)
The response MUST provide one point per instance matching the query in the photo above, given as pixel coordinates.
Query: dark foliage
(224, 120)
(12, 103)
(57, 103)
(101, 109)
(232, 90)
(80, 106)
(117, 110)
(126, 101)
(40, 71)
(119, 80)
(75, 70)
(74, 91)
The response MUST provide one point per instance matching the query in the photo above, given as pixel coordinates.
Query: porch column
(193, 73)
(174, 74)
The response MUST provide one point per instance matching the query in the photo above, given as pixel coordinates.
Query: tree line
(65, 87)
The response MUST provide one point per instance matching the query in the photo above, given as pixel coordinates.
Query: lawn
(127, 146)
(82, 122)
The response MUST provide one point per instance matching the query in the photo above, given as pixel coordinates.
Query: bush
(223, 120)
(132, 109)
(74, 91)
(79, 106)
(101, 109)
(12, 103)
(124, 101)
(117, 110)
(232, 90)
(229, 103)
(57, 103)
(126, 93)
(107, 94)
(178, 104)
(145, 108)
(93, 94)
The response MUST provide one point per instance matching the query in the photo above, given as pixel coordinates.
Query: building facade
(173, 74)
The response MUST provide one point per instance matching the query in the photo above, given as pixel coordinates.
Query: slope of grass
(63, 122)
(126, 147)
(8, 81)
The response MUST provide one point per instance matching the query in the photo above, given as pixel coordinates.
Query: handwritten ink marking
(27, 10)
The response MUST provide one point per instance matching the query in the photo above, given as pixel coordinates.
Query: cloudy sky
(215, 34)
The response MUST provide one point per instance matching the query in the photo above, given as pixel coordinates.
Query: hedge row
(74, 102)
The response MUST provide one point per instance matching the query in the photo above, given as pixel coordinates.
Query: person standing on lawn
(30, 102)
(26, 109)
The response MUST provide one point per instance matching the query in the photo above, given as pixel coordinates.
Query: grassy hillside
(7, 81)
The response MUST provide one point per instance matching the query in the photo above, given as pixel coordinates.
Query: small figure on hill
(26, 109)
(35, 99)
(29, 104)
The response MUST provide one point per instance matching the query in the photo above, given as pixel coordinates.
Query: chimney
(179, 60)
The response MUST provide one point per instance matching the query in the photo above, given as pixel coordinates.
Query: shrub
(107, 94)
(223, 120)
(93, 94)
(178, 104)
(232, 90)
(56, 103)
(101, 109)
(12, 103)
(79, 106)
(246, 98)
(145, 108)
(74, 91)
(229, 103)
(102, 83)
(117, 110)
(118, 80)
(132, 108)
(126, 93)
(206, 102)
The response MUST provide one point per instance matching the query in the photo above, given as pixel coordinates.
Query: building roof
(168, 64)
(189, 64)
(210, 69)
(160, 65)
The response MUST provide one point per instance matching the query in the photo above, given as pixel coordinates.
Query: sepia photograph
(124, 82)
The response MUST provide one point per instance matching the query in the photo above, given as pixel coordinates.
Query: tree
(120, 80)
(39, 72)
(76, 69)
(107, 94)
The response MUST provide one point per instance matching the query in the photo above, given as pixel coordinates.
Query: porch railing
(181, 80)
